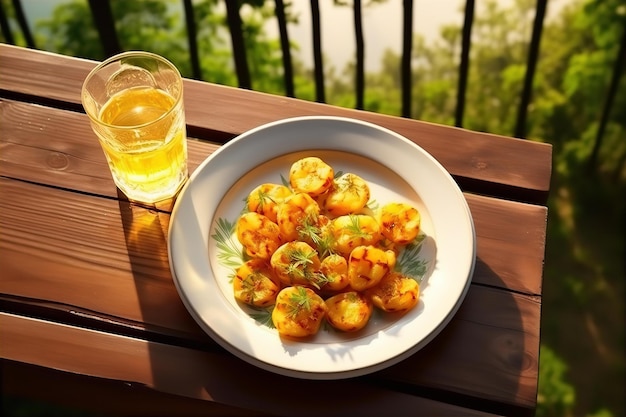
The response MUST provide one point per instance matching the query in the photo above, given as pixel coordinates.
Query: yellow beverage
(142, 133)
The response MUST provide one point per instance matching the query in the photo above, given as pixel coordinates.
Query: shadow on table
(162, 310)
(474, 362)
(484, 353)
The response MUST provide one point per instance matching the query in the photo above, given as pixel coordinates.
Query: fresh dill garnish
(301, 266)
(263, 316)
(229, 253)
(373, 205)
(409, 263)
(310, 230)
(251, 283)
(299, 301)
(355, 226)
(299, 262)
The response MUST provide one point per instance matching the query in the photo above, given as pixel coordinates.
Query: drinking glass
(135, 103)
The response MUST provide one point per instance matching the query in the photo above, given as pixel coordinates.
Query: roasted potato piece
(400, 222)
(318, 234)
(298, 312)
(310, 175)
(348, 193)
(258, 234)
(349, 311)
(394, 293)
(295, 214)
(335, 268)
(265, 199)
(354, 230)
(367, 265)
(297, 263)
(255, 283)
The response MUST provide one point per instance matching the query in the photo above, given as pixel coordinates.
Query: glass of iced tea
(135, 103)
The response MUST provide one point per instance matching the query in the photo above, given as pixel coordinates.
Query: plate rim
(299, 372)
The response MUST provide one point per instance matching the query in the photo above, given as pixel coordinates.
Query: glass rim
(118, 57)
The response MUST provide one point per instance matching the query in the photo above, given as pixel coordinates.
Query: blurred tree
(158, 26)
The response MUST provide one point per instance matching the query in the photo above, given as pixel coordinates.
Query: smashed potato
(399, 222)
(265, 199)
(317, 253)
(299, 312)
(255, 284)
(348, 194)
(349, 311)
(395, 293)
(311, 175)
(296, 263)
(295, 214)
(258, 234)
(367, 265)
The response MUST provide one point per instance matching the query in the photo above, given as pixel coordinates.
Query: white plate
(396, 170)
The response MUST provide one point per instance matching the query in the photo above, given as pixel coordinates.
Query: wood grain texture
(202, 375)
(489, 163)
(85, 285)
(58, 148)
(107, 261)
(92, 396)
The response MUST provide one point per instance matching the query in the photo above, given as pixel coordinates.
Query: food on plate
(299, 312)
(347, 194)
(395, 293)
(352, 230)
(315, 251)
(258, 234)
(296, 213)
(265, 199)
(399, 222)
(367, 265)
(297, 263)
(335, 268)
(256, 284)
(311, 175)
(349, 311)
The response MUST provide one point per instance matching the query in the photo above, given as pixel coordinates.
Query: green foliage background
(582, 341)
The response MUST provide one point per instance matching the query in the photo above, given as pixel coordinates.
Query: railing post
(192, 39)
(105, 24)
(407, 51)
(618, 67)
(285, 47)
(239, 46)
(317, 52)
(464, 66)
(360, 56)
(21, 20)
(533, 53)
(4, 26)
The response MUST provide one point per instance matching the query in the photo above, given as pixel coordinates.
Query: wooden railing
(105, 24)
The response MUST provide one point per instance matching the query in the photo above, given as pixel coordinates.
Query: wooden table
(90, 316)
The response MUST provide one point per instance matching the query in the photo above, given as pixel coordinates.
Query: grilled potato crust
(298, 312)
(349, 311)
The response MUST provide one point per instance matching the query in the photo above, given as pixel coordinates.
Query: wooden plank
(501, 366)
(118, 252)
(58, 147)
(510, 243)
(92, 396)
(510, 252)
(71, 158)
(481, 162)
(200, 375)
